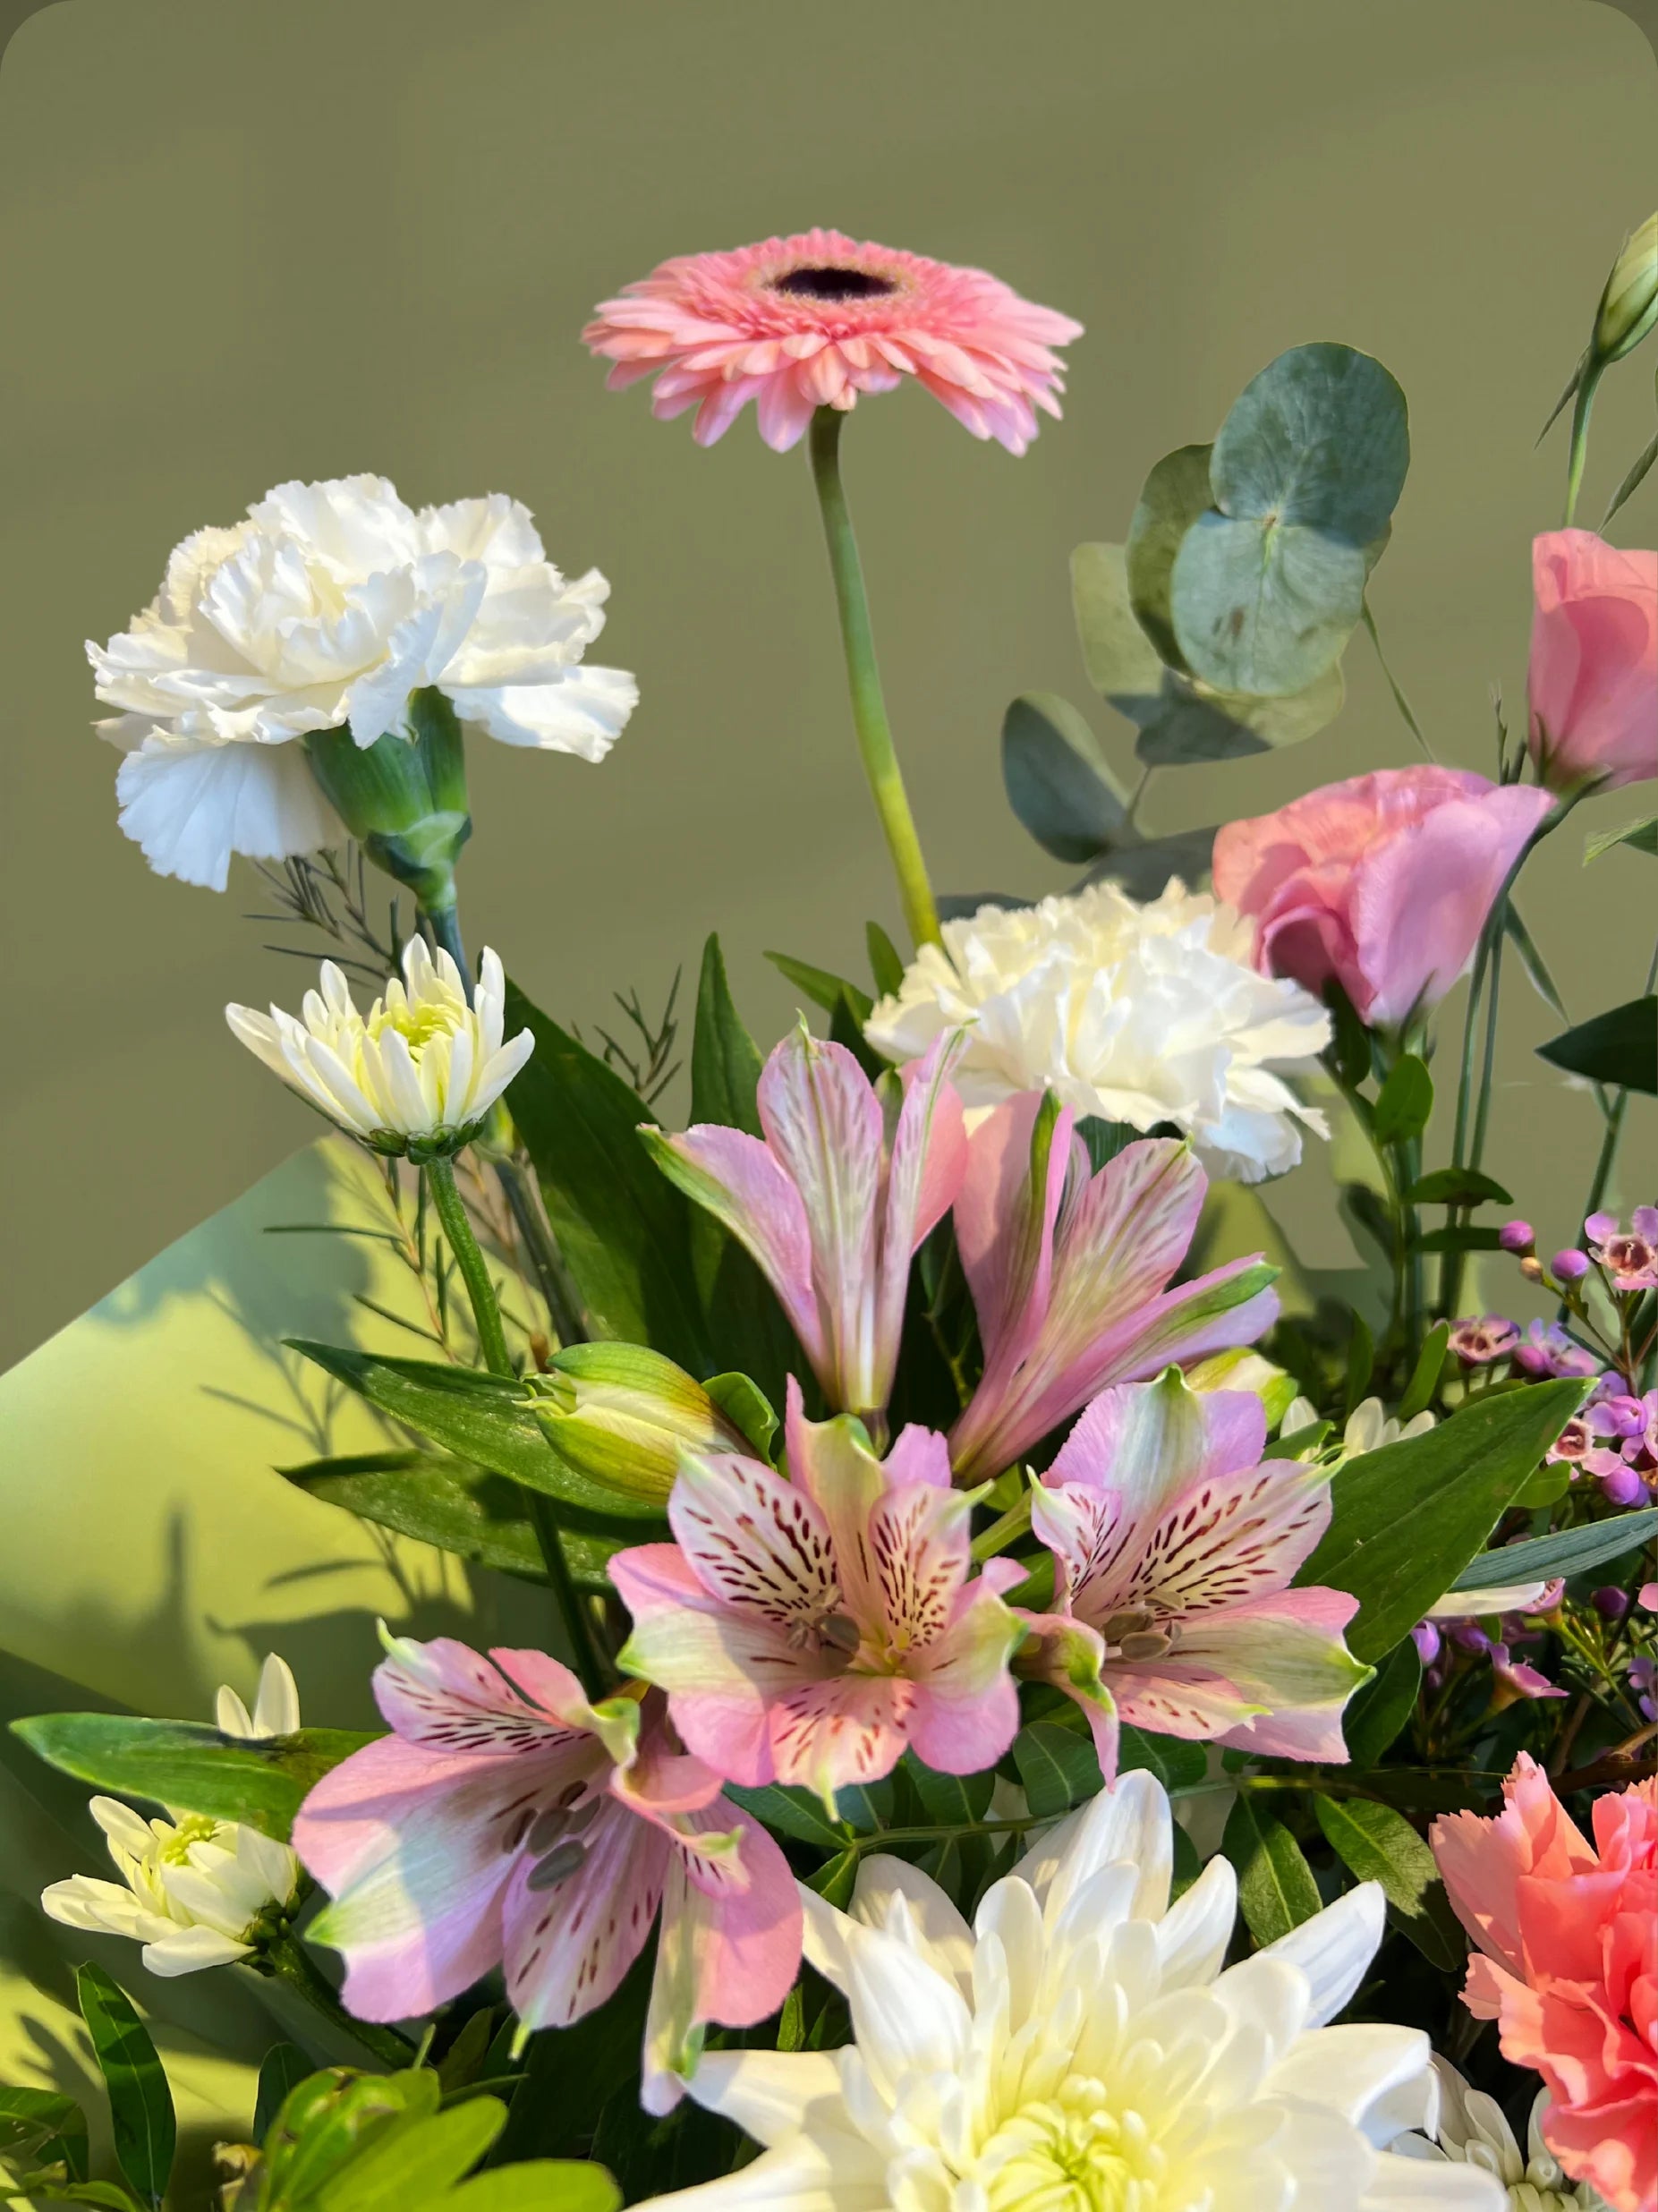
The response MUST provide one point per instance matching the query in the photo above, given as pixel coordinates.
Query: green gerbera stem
(474, 1274)
(869, 707)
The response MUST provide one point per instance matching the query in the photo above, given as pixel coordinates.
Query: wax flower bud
(1628, 306)
(1569, 1266)
(621, 1416)
(1516, 1237)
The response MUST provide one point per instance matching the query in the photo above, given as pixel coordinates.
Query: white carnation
(328, 605)
(1138, 1014)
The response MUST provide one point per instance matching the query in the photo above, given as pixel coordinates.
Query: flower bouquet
(1032, 1717)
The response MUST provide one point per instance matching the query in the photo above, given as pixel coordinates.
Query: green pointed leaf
(1425, 1376)
(415, 2161)
(953, 1801)
(1058, 1768)
(1378, 1844)
(1058, 782)
(1532, 960)
(1375, 1715)
(41, 2128)
(1641, 836)
(1460, 1236)
(442, 1501)
(725, 1060)
(1406, 1519)
(1177, 1764)
(791, 1812)
(1405, 1102)
(536, 2185)
(189, 1765)
(140, 2103)
(1276, 1890)
(488, 1421)
(1565, 1552)
(1458, 1186)
(821, 986)
(1176, 493)
(835, 1880)
(1269, 583)
(281, 2070)
(624, 1230)
(886, 961)
(1619, 1047)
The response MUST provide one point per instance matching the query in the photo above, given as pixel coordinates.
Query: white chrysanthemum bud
(417, 1073)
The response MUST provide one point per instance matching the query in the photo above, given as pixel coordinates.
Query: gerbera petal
(1334, 1949)
(767, 2094)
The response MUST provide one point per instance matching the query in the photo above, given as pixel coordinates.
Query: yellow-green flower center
(194, 1828)
(417, 1025)
(1072, 2153)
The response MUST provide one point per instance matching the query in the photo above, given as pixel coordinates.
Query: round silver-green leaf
(1176, 492)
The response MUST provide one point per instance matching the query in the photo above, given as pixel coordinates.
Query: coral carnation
(810, 321)
(1569, 1934)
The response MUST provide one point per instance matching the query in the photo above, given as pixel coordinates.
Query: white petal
(1418, 2185)
(905, 2017)
(800, 2175)
(1497, 1598)
(189, 807)
(1376, 2076)
(122, 1825)
(584, 712)
(231, 1717)
(932, 1924)
(1129, 1822)
(1193, 1936)
(766, 2093)
(191, 1949)
(1334, 1948)
(101, 1908)
(276, 1710)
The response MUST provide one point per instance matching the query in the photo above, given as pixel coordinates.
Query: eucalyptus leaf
(1619, 1047)
(1406, 1519)
(140, 2103)
(1123, 664)
(1176, 493)
(1269, 583)
(1058, 782)
(1276, 1891)
(1565, 1552)
(1144, 868)
(1197, 723)
(189, 1765)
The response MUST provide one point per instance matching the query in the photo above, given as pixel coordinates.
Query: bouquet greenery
(1034, 1717)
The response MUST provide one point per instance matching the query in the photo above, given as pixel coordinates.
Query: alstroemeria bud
(1628, 306)
(621, 1416)
(404, 797)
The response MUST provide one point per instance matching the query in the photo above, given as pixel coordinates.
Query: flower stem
(1579, 443)
(1608, 1160)
(470, 1260)
(869, 709)
(285, 1959)
(444, 925)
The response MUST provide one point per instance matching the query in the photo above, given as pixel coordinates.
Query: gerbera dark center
(832, 284)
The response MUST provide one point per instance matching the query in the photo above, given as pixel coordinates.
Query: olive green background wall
(242, 243)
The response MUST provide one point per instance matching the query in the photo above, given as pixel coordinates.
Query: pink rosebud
(1594, 677)
(1383, 883)
(1516, 1237)
(1569, 1266)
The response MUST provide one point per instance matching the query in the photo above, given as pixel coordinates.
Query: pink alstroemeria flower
(1173, 1547)
(807, 1627)
(835, 1200)
(1069, 1273)
(507, 1821)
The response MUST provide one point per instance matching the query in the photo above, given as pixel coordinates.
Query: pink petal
(735, 1179)
(567, 1948)
(925, 1174)
(1007, 1245)
(447, 1696)
(823, 1124)
(918, 1544)
(1228, 1537)
(853, 1728)
(1071, 1657)
(755, 1541)
(966, 1712)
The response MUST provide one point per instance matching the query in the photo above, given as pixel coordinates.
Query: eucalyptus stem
(285, 1959)
(479, 1290)
(869, 709)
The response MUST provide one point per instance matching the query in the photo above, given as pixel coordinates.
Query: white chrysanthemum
(1080, 2050)
(1137, 1013)
(330, 604)
(191, 1889)
(1473, 2131)
(420, 1063)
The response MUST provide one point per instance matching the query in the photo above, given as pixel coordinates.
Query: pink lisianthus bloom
(795, 323)
(1568, 1966)
(834, 1199)
(507, 1822)
(1630, 1255)
(807, 1627)
(1383, 883)
(1070, 1273)
(1593, 675)
(1173, 1547)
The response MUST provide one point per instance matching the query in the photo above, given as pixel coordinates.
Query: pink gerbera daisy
(810, 321)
